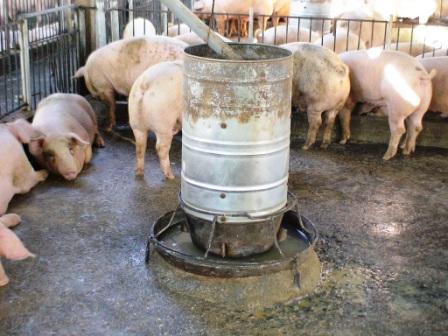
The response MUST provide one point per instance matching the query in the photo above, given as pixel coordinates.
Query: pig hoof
(170, 176)
(387, 156)
(99, 141)
(4, 281)
(343, 142)
(139, 172)
(306, 147)
(43, 174)
(10, 220)
(324, 145)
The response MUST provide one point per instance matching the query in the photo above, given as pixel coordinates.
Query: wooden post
(200, 28)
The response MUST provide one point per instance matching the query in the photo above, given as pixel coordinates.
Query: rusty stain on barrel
(236, 130)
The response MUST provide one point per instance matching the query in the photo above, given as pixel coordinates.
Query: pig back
(120, 63)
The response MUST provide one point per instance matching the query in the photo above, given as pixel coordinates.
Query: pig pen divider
(39, 54)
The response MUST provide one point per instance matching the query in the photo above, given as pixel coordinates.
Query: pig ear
(76, 140)
(11, 247)
(24, 131)
(36, 146)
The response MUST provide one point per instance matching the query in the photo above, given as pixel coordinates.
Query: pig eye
(72, 151)
(49, 156)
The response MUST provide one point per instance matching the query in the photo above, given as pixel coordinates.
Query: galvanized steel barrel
(236, 129)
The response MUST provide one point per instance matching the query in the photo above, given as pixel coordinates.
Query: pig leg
(314, 122)
(414, 127)
(397, 129)
(329, 124)
(108, 98)
(141, 140)
(221, 25)
(345, 116)
(88, 154)
(27, 181)
(163, 146)
(99, 141)
(4, 280)
(10, 220)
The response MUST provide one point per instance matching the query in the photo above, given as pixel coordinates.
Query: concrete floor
(384, 250)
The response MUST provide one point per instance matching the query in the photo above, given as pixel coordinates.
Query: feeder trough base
(259, 280)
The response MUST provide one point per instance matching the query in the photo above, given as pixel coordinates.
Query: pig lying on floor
(17, 176)
(10, 245)
(69, 128)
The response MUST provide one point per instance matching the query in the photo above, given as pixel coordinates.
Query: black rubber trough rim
(225, 269)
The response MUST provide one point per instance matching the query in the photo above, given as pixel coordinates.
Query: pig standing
(340, 42)
(281, 8)
(17, 176)
(372, 33)
(320, 85)
(262, 10)
(439, 102)
(395, 81)
(69, 125)
(156, 104)
(10, 245)
(277, 35)
(139, 27)
(116, 66)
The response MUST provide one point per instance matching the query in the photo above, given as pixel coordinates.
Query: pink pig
(17, 176)
(10, 245)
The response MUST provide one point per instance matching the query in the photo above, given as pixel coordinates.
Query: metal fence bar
(25, 62)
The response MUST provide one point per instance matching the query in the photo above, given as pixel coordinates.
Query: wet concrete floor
(384, 250)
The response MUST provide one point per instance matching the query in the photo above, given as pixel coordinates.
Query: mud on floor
(384, 249)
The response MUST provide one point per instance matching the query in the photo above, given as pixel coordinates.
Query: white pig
(320, 85)
(394, 81)
(116, 66)
(277, 35)
(17, 176)
(262, 10)
(192, 38)
(280, 8)
(434, 53)
(340, 43)
(10, 245)
(439, 102)
(177, 29)
(413, 49)
(139, 27)
(372, 33)
(156, 104)
(70, 128)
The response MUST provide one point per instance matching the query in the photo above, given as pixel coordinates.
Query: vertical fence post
(68, 15)
(251, 24)
(389, 32)
(100, 24)
(131, 10)
(114, 22)
(25, 71)
(164, 18)
(82, 33)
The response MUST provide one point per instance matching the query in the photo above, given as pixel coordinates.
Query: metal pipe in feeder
(201, 29)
